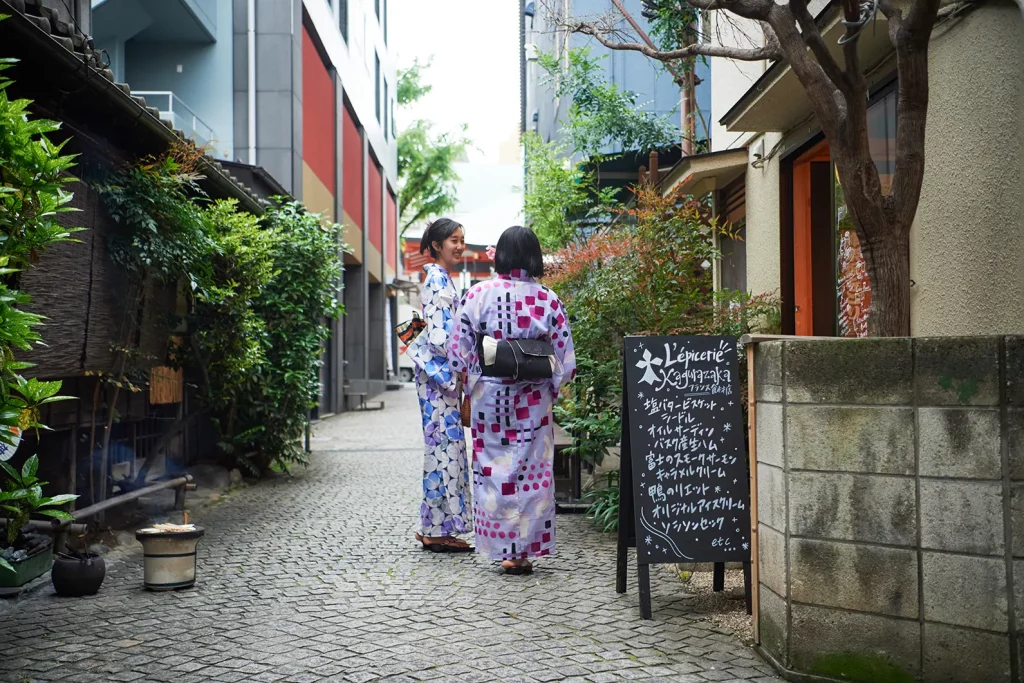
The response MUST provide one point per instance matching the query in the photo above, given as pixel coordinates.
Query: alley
(317, 578)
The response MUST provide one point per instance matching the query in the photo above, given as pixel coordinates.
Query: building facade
(302, 92)
(772, 175)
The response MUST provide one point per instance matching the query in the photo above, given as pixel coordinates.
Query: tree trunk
(887, 256)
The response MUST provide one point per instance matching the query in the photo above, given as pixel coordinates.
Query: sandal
(446, 544)
(517, 569)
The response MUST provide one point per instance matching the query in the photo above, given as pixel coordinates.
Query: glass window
(853, 288)
(341, 10)
(387, 110)
(376, 78)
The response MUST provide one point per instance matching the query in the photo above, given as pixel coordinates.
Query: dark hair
(438, 231)
(518, 249)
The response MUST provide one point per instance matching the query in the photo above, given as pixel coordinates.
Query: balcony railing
(179, 115)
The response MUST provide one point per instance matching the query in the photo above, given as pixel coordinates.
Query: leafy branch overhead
(833, 78)
(34, 172)
(601, 113)
(426, 173)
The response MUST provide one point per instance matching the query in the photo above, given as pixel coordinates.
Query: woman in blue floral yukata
(446, 492)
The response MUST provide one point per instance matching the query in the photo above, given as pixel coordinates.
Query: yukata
(512, 426)
(446, 499)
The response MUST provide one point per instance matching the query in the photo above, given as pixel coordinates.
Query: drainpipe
(251, 36)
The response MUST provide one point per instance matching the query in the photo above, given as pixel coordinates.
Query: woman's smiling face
(449, 253)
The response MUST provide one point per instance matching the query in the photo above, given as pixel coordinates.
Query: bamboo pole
(752, 430)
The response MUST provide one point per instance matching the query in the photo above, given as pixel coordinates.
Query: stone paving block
(958, 655)
(769, 434)
(771, 548)
(965, 591)
(959, 442)
(1015, 436)
(341, 593)
(768, 371)
(859, 371)
(844, 439)
(852, 576)
(774, 623)
(1015, 371)
(853, 507)
(771, 497)
(956, 371)
(962, 516)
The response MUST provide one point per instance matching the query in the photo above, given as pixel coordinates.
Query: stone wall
(891, 507)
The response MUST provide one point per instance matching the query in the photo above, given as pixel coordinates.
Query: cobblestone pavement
(317, 578)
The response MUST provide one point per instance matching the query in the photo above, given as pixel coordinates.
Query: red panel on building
(392, 230)
(352, 168)
(319, 149)
(376, 205)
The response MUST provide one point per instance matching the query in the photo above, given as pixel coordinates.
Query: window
(387, 110)
(341, 10)
(376, 8)
(376, 78)
(384, 21)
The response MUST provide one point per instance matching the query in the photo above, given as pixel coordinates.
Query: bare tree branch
(695, 50)
(812, 37)
(679, 77)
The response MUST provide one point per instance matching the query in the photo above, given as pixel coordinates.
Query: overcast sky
(475, 79)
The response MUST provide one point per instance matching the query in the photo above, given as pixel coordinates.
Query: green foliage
(562, 198)
(229, 338)
(651, 274)
(259, 291)
(673, 25)
(426, 176)
(603, 509)
(22, 495)
(33, 175)
(161, 229)
(289, 312)
(601, 113)
(410, 83)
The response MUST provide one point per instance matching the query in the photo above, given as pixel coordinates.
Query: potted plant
(26, 554)
(76, 574)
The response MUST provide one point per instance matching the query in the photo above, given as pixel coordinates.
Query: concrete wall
(967, 244)
(204, 83)
(890, 525)
(764, 220)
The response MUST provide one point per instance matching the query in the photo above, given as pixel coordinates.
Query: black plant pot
(75, 576)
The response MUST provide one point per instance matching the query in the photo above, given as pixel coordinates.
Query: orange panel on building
(392, 230)
(352, 168)
(319, 148)
(376, 206)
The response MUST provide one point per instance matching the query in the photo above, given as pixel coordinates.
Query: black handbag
(519, 359)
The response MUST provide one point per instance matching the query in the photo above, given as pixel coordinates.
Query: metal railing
(178, 114)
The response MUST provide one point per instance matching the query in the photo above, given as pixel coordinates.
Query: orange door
(803, 271)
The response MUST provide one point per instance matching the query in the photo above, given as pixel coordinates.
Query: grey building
(302, 93)
(543, 112)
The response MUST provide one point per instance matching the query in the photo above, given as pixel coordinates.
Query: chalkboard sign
(684, 487)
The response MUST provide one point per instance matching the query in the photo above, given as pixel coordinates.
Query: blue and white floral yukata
(446, 499)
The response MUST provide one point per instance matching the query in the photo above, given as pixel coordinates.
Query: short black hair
(438, 231)
(519, 249)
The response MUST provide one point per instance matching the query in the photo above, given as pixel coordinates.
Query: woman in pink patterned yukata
(513, 435)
